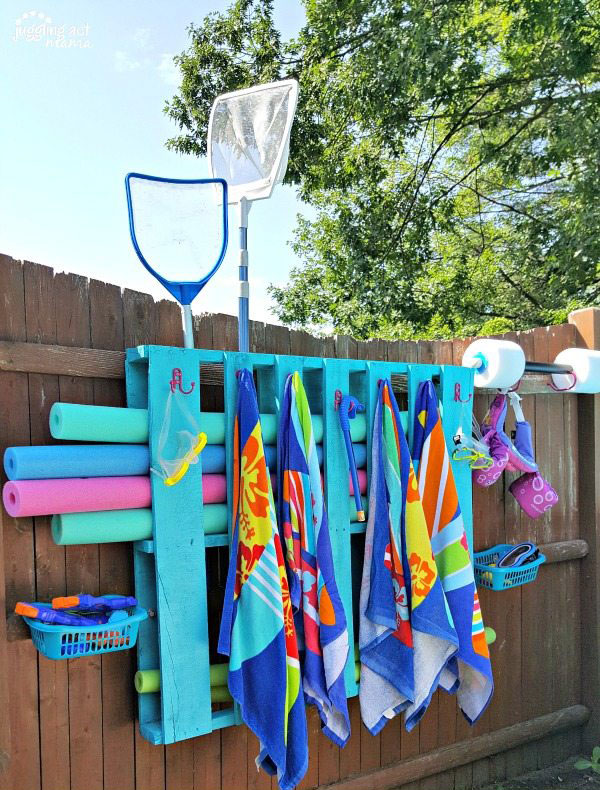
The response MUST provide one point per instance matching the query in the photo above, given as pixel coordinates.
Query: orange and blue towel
(406, 637)
(320, 618)
(469, 673)
(257, 626)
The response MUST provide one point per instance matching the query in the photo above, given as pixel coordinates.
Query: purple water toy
(534, 494)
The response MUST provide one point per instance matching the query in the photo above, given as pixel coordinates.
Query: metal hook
(457, 394)
(553, 386)
(177, 382)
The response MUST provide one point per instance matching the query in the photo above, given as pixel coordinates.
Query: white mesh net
(178, 226)
(249, 138)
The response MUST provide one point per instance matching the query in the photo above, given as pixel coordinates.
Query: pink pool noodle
(214, 489)
(87, 494)
(75, 495)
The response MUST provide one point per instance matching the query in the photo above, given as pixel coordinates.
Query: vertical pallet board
(336, 471)
(454, 415)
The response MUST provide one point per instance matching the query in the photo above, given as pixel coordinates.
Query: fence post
(587, 322)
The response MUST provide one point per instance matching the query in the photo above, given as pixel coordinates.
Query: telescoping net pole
(248, 146)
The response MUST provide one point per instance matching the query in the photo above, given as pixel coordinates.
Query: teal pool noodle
(115, 526)
(76, 460)
(98, 423)
(103, 526)
(79, 423)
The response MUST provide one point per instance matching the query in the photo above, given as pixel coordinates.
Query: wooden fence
(70, 725)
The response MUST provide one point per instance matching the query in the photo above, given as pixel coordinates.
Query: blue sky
(77, 117)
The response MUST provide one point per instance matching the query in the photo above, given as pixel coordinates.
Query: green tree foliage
(451, 149)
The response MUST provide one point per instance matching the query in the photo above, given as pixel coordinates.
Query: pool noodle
(115, 460)
(115, 526)
(83, 423)
(147, 681)
(104, 526)
(76, 460)
(91, 494)
(74, 495)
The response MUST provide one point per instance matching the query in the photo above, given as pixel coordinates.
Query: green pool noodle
(147, 681)
(220, 694)
(82, 423)
(103, 526)
(490, 635)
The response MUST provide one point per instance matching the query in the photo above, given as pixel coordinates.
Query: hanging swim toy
(533, 493)
(180, 441)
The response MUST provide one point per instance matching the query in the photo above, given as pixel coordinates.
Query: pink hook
(457, 394)
(177, 382)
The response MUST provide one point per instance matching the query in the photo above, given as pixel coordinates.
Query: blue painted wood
(149, 713)
(454, 414)
(147, 643)
(335, 467)
(176, 639)
(232, 363)
(224, 718)
(180, 561)
(147, 546)
(152, 730)
(210, 541)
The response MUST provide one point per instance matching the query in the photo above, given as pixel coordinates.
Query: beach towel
(320, 618)
(257, 625)
(405, 635)
(469, 673)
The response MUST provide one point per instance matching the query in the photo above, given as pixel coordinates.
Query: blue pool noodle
(109, 460)
(78, 460)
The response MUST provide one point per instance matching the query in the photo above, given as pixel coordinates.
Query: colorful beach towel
(257, 625)
(469, 673)
(320, 618)
(405, 635)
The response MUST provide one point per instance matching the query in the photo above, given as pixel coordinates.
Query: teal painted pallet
(170, 569)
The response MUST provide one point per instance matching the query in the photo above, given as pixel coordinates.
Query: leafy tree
(451, 149)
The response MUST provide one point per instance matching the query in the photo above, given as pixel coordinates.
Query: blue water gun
(52, 617)
(348, 407)
(91, 603)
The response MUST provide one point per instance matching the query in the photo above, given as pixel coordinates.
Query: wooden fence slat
(40, 312)
(587, 324)
(115, 565)
(139, 327)
(82, 562)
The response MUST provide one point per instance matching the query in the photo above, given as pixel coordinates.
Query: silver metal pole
(244, 296)
(188, 326)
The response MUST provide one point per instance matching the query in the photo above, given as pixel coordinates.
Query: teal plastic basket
(486, 575)
(68, 641)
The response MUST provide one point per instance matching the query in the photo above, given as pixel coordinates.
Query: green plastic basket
(494, 578)
(68, 641)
